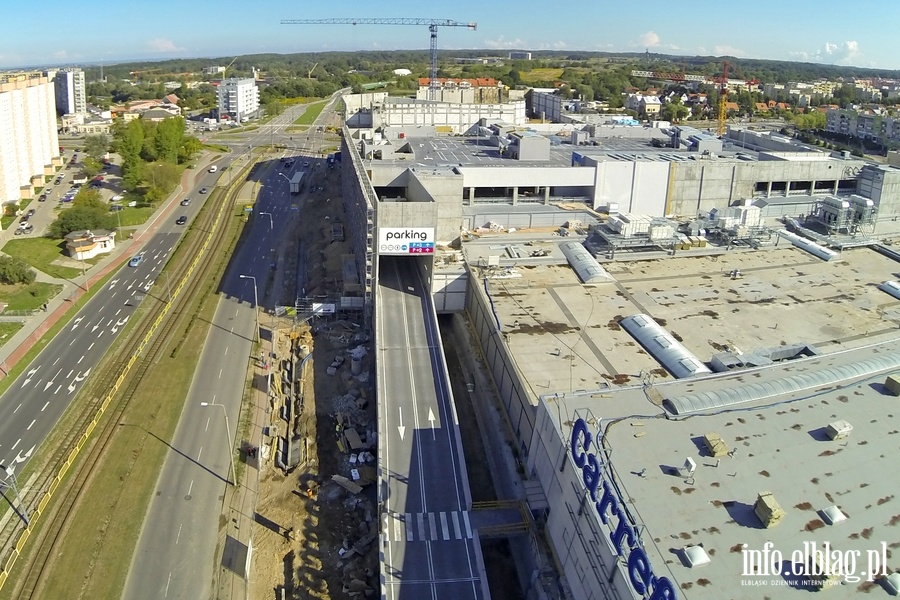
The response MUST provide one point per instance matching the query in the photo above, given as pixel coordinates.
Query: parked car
(42, 198)
(116, 208)
(181, 220)
(24, 229)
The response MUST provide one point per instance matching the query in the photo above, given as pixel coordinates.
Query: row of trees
(88, 212)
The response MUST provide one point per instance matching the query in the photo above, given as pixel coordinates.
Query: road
(31, 407)
(174, 555)
(428, 548)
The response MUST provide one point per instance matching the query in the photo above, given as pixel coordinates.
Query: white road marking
(456, 529)
(91, 346)
(17, 408)
(409, 526)
(59, 387)
(220, 373)
(70, 373)
(80, 359)
(198, 455)
(32, 424)
(207, 423)
(18, 441)
(167, 584)
(467, 524)
(190, 487)
(45, 406)
(57, 360)
(444, 528)
(178, 537)
(420, 518)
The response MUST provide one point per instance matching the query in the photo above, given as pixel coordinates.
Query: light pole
(229, 440)
(10, 482)
(271, 227)
(285, 176)
(255, 304)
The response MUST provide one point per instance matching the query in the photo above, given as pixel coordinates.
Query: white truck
(297, 182)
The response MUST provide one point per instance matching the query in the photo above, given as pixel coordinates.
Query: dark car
(42, 198)
(30, 213)
(203, 190)
(181, 220)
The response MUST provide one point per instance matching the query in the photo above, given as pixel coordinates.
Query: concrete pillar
(515, 196)
(546, 194)
(471, 195)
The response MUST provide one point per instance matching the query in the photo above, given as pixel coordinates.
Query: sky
(56, 33)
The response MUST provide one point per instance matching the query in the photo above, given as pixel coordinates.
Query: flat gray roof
(777, 445)
(474, 151)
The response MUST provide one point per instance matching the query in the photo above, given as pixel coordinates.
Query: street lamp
(10, 482)
(255, 304)
(229, 440)
(285, 176)
(270, 219)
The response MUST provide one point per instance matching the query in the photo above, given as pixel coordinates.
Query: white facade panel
(527, 176)
(651, 184)
(614, 184)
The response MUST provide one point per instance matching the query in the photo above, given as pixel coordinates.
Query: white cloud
(729, 50)
(649, 39)
(557, 45)
(163, 45)
(844, 53)
(60, 55)
(502, 42)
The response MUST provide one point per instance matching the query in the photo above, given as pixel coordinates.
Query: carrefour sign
(406, 240)
(611, 509)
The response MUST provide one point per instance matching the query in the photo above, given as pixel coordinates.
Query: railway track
(83, 411)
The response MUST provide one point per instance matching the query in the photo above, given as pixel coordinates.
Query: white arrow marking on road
(401, 428)
(20, 458)
(52, 379)
(113, 283)
(94, 328)
(122, 322)
(431, 418)
(81, 377)
(77, 322)
(29, 375)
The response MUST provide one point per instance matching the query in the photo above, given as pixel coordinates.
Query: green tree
(15, 270)
(88, 211)
(91, 167)
(96, 146)
(674, 110)
(167, 138)
(190, 147)
(129, 141)
(585, 92)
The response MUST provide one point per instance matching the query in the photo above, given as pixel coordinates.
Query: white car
(213, 169)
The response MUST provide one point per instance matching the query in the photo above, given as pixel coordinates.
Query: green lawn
(132, 216)
(7, 330)
(27, 297)
(40, 252)
(312, 113)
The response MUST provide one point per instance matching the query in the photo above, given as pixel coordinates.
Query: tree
(585, 92)
(88, 211)
(96, 146)
(190, 147)
(91, 167)
(167, 139)
(129, 140)
(15, 270)
(674, 110)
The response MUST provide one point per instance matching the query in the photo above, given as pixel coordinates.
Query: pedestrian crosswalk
(427, 527)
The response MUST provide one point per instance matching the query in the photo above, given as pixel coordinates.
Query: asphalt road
(31, 407)
(428, 549)
(174, 555)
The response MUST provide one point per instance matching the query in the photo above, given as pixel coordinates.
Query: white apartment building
(71, 97)
(238, 98)
(29, 142)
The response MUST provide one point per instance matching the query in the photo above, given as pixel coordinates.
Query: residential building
(238, 98)
(213, 70)
(650, 106)
(29, 140)
(70, 92)
(518, 55)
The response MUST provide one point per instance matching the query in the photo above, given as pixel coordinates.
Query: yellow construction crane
(228, 67)
(432, 24)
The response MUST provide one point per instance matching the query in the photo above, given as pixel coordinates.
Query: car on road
(305, 163)
(213, 169)
(30, 213)
(185, 201)
(116, 208)
(181, 220)
(136, 260)
(42, 198)
(203, 190)
(24, 229)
